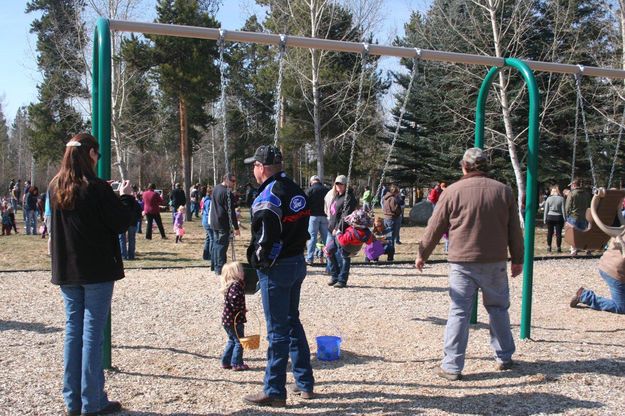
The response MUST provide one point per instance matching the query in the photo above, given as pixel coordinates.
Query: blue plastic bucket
(328, 348)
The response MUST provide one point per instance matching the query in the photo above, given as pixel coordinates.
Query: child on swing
(357, 233)
(233, 316)
(178, 223)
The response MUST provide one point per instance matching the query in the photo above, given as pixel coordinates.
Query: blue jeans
(30, 221)
(464, 280)
(397, 228)
(617, 292)
(394, 225)
(340, 264)
(280, 288)
(579, 224)
(220, 249)
(128, 250)
(320, 225)
(208, 243)
(233, 353)
(139, 226)
(195, 209)
(87, 308)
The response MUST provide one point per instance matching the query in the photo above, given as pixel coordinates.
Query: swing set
(101, 100)
(606, 203)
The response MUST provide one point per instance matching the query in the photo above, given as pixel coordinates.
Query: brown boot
(261, 399)
(577, 298)
(307, 395)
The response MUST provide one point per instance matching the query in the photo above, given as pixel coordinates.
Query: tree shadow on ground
(28, 326)
(545, 371)
(442, 322)
(148, 258)
(363, 402)
(170, 349)
(142, 413)
(407, 289)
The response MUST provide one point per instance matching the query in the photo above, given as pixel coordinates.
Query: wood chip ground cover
(167, 340)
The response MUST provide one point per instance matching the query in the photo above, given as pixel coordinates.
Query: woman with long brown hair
(86, 219)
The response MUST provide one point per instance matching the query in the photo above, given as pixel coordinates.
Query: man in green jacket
(576, 205)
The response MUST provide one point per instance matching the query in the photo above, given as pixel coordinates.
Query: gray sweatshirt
(554, 205)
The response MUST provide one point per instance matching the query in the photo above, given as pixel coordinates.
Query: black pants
(554, 223)
(159, 224)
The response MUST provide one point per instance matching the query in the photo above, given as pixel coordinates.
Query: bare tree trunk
(213, 156)
(316, 120)
(505, 109)
(185, 149)
(141, 162)
(32, 170)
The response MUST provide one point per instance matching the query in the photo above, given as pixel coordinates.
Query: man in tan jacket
(482, 219)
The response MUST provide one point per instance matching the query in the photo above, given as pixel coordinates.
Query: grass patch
(27, 252)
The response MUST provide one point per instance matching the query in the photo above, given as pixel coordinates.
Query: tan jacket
(483, 222)
(612, 262)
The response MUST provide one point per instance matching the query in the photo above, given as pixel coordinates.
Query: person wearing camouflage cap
(482, 219)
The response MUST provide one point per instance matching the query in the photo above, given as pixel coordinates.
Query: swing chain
(578, 82)
(577, 98)
(221, 42)
(278, 98)
(359, 105)
(414, 73)
(222, 100)
(618, 145)
(581, 108)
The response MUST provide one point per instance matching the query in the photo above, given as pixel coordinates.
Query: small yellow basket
(250, 342)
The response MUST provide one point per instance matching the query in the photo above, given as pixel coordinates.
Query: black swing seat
(605, 207)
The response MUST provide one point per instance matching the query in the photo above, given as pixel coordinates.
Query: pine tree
(60, 39)
(186, 72)
(5, 156)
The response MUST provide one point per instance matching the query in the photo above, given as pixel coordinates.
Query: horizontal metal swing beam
(355, 47)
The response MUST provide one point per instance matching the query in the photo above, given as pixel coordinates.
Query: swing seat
(605, 207)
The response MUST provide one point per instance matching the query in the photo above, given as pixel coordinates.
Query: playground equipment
(413, 74)
(605, 207)
(580, 111)
(101, 87)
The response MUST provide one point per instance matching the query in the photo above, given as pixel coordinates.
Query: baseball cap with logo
(267, 155)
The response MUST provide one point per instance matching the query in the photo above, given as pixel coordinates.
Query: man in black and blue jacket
(280, 215)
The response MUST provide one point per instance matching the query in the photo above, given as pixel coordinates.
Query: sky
(19, 74)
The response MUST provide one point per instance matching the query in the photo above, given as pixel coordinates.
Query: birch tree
(325, 19)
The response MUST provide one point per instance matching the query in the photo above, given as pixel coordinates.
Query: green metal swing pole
(531, 196)
(101, 127)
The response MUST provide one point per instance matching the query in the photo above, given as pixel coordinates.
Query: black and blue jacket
(280, 215)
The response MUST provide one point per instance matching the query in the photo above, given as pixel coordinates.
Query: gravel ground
(167, 340)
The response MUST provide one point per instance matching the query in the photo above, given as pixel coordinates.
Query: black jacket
(315, 194)
(177, 198)
(340, 211)
(218, 212)
(85, 244)
(280, 216)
